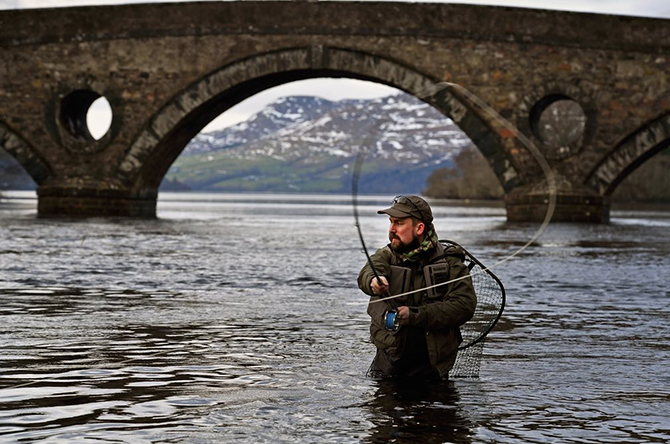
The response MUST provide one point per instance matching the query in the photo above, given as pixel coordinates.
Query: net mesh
(490, 304)
(468, 362)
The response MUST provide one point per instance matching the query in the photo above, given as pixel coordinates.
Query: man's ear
(420, 228)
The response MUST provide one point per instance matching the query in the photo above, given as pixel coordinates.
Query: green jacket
(439, 312)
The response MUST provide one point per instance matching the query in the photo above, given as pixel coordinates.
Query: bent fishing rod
(360, 157)
(354, 198)
(527, 143)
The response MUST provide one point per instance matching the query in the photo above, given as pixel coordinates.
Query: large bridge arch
(163, 139)
(25, 155)
(632, 152)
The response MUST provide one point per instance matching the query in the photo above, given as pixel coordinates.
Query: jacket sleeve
(382, 262)
(455, 308)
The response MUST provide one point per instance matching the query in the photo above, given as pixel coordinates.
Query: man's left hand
(403, 315)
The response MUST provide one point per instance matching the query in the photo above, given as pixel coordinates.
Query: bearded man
(417, 335)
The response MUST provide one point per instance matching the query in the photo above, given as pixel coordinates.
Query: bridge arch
(632, 152)
(25, 155)
(169, 131)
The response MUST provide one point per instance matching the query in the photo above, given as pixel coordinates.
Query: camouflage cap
(406, 206)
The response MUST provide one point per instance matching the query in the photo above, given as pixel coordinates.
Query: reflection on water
(410, 411)
(236, 318)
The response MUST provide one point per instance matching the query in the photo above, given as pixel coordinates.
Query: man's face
(403, 234)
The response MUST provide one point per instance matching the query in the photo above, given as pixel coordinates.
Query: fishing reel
(391, 320)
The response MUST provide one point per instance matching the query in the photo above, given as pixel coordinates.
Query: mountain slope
(309, 144)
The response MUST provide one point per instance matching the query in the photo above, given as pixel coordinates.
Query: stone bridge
(169, 69)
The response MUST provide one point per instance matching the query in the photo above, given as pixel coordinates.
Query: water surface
(236, 318)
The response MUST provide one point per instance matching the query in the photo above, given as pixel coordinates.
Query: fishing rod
(391, 319)
(530, 146)
(354, 199)
(492, 303)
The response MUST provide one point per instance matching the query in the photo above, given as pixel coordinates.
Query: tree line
(471, 177)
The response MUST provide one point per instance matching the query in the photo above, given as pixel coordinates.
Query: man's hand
(379, 286)
(403, 315)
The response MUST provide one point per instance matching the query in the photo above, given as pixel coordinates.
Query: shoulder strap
(445, 245)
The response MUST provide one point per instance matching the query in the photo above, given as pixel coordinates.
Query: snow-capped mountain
(279, 115)
(308, 144)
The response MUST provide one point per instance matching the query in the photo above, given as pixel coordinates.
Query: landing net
(490, 305)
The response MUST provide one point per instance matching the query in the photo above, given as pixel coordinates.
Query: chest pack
(435, 272)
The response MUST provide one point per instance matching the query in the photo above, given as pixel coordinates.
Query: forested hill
(470, 178)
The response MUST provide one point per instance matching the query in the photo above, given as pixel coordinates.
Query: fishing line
(530, 146)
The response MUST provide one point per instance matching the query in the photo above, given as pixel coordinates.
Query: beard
(402, 247)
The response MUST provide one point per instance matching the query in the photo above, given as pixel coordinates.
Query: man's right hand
(379, 286)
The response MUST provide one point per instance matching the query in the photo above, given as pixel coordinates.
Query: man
(426, 335)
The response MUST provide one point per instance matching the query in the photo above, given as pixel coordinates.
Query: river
(236, 318)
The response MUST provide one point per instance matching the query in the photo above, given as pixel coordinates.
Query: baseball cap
(406, 206)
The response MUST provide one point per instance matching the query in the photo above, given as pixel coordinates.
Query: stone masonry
(168, 69)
